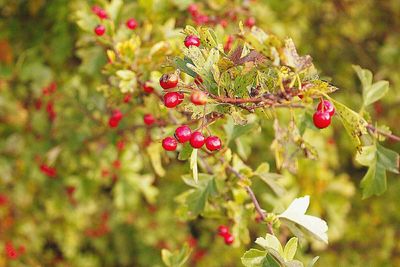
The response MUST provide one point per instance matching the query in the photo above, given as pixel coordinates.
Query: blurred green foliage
(124, 216)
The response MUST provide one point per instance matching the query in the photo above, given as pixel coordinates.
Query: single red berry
(148, 119)
(198, 98)
(229, 239)
(113, 123)
(250, 22)
(169, 143)
(131, 24)
(201, 19)
(172, 99)
(127, 97)
(183, 133)
(148, 88)
(117, 114)
(47, 170)
(99, 30)
(192, 40)
(52, 87)
(21, 249)
(168, 81)
(223, 230)
(213, 143)
(10, 251)
(70, 189)
(223, 23)
(116, 164)
(321, 119)
(326, 106)
(101, 13)
(193, 9)
(197, 140)
(3, 200)
(121, 145)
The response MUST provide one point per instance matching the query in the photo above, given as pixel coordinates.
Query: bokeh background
(100, 223)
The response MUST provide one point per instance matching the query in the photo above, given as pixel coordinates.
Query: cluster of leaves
(261, 94)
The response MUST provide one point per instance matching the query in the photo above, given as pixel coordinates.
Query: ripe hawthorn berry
(229, 239)
(47, 170)
(192, 40)
(99, 30)
(169, 143)
(127, 97)
(169, 80)
(101, 13)
(148, 88)
(198, 98)
(183, 133)
(172, 99)
(131, 24)
(213, 143)
(113, 123)
(197, 139)
(250, 22)
(223, 230)
(326, 106)
(321, 119)
(149, 119)
(193, 9)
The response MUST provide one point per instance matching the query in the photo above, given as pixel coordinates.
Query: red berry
(101, 13)
(10, 251)
(183, 133)
(250, 22)
(228, 43)
(321, 119)
(168, 81)
(116, 164)
(127, 98)
(47, 170)
(120, 145)
(223, 230)
(201, 19)
(223, 23)
(192, 40)
(3, 200)
(117, 114)
(326, 106)
(112, 122)
(229, 239)
(198, 98)
(193, 9)
(148, 88)
(148, 119)
(197, 140)
(169, 143)
(100, 30)
(172, 99)
(131, 24)
(70, 189)
(213, 143)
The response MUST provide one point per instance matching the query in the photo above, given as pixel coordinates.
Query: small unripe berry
(321, 119)
(250, 22)
(148, 119)
(213, 143)
(326, 106)
(192, 40)
(172, 99)
(169, 143)
(198, 98)
(148, 88)
(183, 133)
(131, 24)
(100, 30)
(229, 239)
(168, 81)
(223, 230)
(197, 140)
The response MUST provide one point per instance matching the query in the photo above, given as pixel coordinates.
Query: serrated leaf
(354, 124)
(295, 213)
(375, 92)
(253, 258)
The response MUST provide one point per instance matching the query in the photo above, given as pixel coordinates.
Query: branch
(388, 135)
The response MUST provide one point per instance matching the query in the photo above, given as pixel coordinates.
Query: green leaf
(364, 75)
(154, 151)
(375, 92)
(193, 165)
(185, 152)
(270, 261)
(176, 258)
(234, 131)
(253, 258)
(294, 263)
(354, 124)
(270, 241)
(197, 200)
(290, 249)
(379, 159)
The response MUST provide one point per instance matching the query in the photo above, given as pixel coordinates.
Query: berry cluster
(100, 29)
(224, 232)
(322, 117)
(48, 91)
(115, 118)
(196, 139)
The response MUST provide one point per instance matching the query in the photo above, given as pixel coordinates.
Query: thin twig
(388, 135)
